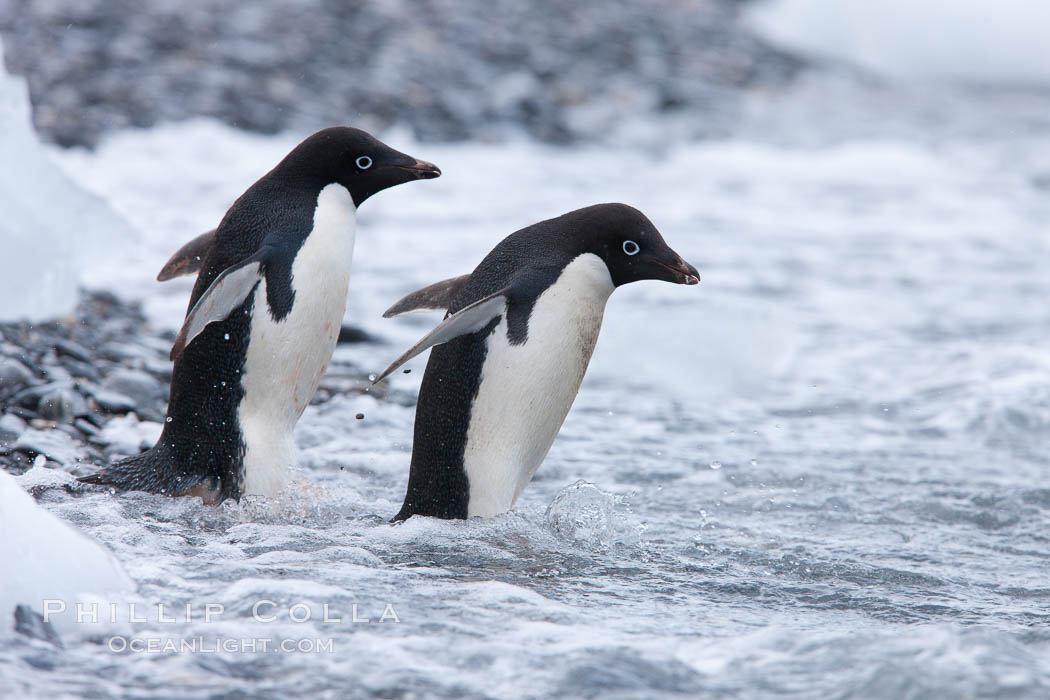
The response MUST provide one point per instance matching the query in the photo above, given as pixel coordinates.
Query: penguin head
(354, 159)
(631, 246)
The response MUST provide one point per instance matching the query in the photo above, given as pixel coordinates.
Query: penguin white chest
(286, 358)
(527, 390)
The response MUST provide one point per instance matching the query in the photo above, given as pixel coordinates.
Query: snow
(45, 558)
(50, 227)
(964, 40)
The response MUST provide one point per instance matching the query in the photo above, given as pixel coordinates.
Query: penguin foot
(155, 473)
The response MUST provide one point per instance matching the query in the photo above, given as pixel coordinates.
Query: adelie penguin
(263, 320)
(512, 351)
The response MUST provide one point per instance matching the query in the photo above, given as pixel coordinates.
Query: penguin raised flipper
(263, 320)
(435, 297)
(491, 403)
(469, 320)
(226, 293)
(188, 259)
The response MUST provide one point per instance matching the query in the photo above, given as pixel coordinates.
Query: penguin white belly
(286, 359)
(527, 390)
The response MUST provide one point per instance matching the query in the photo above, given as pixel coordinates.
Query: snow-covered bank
(51, 228)
(46, 559)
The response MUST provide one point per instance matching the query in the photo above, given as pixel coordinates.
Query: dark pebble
(11, 426)
(113, 402)
(407, 371)
(359, 416)
(30, 397)
(14, 375)
(56, 405)
(141, 388)
(82, 370)
(25, 414)
(71, 431)
(86, 427)
(71, 349)
(353, 334)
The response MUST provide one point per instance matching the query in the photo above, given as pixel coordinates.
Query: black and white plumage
(263, 319)
(512, 351)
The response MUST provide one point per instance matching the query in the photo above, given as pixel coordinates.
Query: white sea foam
(865, 359)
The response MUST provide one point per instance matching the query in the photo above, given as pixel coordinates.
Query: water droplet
(226, 336)
(168, 419)
(371, 377)
(716, 464)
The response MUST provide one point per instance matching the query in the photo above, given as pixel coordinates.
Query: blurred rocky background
(559, 70)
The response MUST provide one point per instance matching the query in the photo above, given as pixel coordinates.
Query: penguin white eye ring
(363, 162)
(631, 248)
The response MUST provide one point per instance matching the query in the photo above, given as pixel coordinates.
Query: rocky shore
(91, 387)
(558, 70)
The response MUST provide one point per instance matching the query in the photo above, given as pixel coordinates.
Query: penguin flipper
(435, 297)
(188, 259)
(226, 293)
(470, 319)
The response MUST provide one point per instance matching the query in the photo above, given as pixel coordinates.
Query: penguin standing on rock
(512, 351)
(263, 320)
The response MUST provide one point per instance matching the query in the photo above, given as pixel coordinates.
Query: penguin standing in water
(263, 320)
(512, 351)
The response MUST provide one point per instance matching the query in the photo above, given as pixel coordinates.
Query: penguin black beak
(680, 271)
(421, 170)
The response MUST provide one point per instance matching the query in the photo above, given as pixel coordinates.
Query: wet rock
(159, 369)
(449, 71)
(11, 426)
(82, 370)
(353, 334)
(57, 374)
(85, 426)
(23, 413)
(113, 402)
(142, 389)
(53, 444)
(127, 435)
(121, 352)
(56, 405)
(71, 349)
(14, 376)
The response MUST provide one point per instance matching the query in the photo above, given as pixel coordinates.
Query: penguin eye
(363, 162)
(631, 248)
